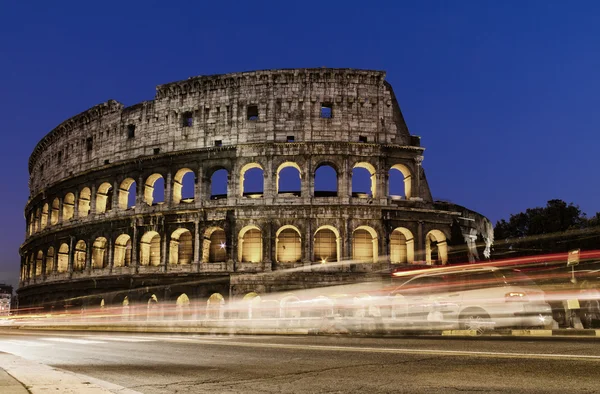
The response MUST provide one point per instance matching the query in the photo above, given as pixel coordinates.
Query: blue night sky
(503, 93)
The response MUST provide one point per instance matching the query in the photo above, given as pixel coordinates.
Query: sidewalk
(11, 385)
(20, 376)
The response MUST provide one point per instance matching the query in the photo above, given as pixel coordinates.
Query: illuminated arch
(68, 206)
(250, 248)
(124, 191)
(327, 244)
(288, 244)
(150, 249)
(99, 256)
(214, 306)
(243, 171)
(149, 188)
(214, 245)
(372, 173)
(282, 166)
(407, 176)
(365, 244)
(39, 261)
(55, 211)
(85, 197)
(63, 258)
(49, 260)
(319, 186)
(122, 254)
(104, 197)
(44, 219)
(80, 256)
(178, 182)
(436, 247)
(402, 246)
(181, 249)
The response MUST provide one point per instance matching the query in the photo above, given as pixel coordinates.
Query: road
(161, 363)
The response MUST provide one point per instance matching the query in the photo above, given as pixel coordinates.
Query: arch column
(89, 248)
(110, 246)
(420, 255)
(115, 197)
(198, 189)
(139, 194)
(196, 261)
(71, 255)
(76, 205)
(165, 250)
(135, 258)
(168, 192)
(417, 194)
(93, 196)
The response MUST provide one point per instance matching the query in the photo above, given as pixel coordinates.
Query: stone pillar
(111, 250)
(115, 197)
(76, 205)
(71, 255)
(196, 244)
(89, 250)
(60, 210)
(135, 259)
(168, 192)
(139, 194)
(93, 198)
(420, 254)
(165, 248)
(417, 194)
(56, 247)
(198, 186)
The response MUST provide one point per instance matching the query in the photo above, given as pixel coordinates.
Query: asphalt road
(166, 363)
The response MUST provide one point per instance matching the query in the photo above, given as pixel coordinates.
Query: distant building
(6, 292)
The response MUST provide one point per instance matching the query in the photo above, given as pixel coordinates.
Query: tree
(557, 227)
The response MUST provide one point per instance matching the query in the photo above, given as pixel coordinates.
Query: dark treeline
(557, 227)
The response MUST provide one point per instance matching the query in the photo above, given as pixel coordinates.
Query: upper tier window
(188, 119)
(326, 110)
(252, 112)
(131, 131)
(89, 143)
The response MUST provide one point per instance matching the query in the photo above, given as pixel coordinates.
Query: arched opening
(36, 222)
(68, 206)
(122, 255)
(183, 186)
(399, 182)
(218, 184)
(326, 181)
(214, 306)
(436, 248)
(214, 246)
(85, 196)
(252, 302)
(63, 258)
(154, 190)
(289, 179)
(127, 194)
(99, 256)
(250, 245)
(49, 260)
(252, 180)
(402, 246)
(150, 249)
(289, 307)
(80, 256)
(288, 245)
(183, 307)
(326, 245)
(39, 261)
(44, 219)
(153, 309)
(104, 197)
(364, 182)
(181, 248)
(55, 211)
(364, 245)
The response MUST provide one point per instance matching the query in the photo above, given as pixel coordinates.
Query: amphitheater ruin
(230, 185)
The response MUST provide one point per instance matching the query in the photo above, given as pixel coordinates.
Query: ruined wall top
(219, 110)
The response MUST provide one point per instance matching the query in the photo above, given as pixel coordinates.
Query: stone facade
(89, 241)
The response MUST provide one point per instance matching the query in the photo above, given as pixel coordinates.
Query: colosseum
(225, 185)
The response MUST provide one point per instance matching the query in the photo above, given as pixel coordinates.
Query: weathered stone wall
(79, 230)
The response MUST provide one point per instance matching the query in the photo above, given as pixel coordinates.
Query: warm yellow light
(323, 261)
